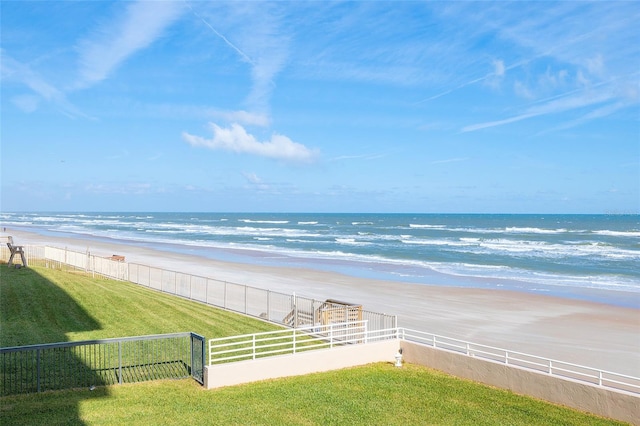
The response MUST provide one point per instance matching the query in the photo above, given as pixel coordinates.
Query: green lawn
(39, 305)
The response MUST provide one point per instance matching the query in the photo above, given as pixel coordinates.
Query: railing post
(506, 357)
(331, 335)
(467, 348)
(599, 377)
(253, 344)
(550, 367)
(294, 341)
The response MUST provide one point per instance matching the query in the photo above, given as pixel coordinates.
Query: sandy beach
(592, 334)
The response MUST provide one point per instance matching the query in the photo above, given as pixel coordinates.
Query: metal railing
(68, 365)
(253, 346)
(264, 304)
(291, 341)
(552, 367)
(275, 307)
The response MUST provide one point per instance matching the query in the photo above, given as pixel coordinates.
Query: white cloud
(499, 68)
(254, 31)
(589, 97)
(450, 160)
(27, 103)
(13, 70)
(521, 90)
(244, 117)
(112, 43)
(236, 139)
(256, 182)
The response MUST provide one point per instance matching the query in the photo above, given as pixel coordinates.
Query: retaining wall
(314, 361)
(613, 404)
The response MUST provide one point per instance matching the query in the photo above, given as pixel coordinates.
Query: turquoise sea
(593, 257)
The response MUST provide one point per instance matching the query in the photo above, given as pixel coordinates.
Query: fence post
(38, 369)
(120, 363)
(295, 311)
(268, 305)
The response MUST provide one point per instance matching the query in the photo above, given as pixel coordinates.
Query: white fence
(252, 346)
(291, 341)
(552, 367)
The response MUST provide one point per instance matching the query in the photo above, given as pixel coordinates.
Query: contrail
(233, 46)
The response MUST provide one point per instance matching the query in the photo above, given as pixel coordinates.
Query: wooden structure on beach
(330, 311)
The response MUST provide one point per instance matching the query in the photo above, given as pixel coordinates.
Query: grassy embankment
(39, 305)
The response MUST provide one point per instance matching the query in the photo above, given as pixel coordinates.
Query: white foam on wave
(618, 233)
(516, 230)
(351, 242)
(272, 222)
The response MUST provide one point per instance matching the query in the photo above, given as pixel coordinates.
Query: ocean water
(594, 257)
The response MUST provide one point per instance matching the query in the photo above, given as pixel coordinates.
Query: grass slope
(39, 305)
(377, 394)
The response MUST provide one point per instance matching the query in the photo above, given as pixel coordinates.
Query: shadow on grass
(34, 310)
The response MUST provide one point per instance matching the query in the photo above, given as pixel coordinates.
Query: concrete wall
(593, 399)
(299, 364)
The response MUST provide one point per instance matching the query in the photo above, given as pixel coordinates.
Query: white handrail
(288, 341)
(270, 343)
(523, 360)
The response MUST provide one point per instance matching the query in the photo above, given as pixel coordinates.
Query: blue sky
(321, 106)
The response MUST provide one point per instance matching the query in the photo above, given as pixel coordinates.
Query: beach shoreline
(583, 332)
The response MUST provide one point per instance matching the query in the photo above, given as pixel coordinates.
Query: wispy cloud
(236, 139)
(601, 96)
(450, 160)
(359, 157)
(254, 32)
(116, 40)
(13, 70)
(256, 182)
(217, 33)
(544, 60)
(244, 117)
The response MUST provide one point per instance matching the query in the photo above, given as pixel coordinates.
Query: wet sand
(593, 334)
